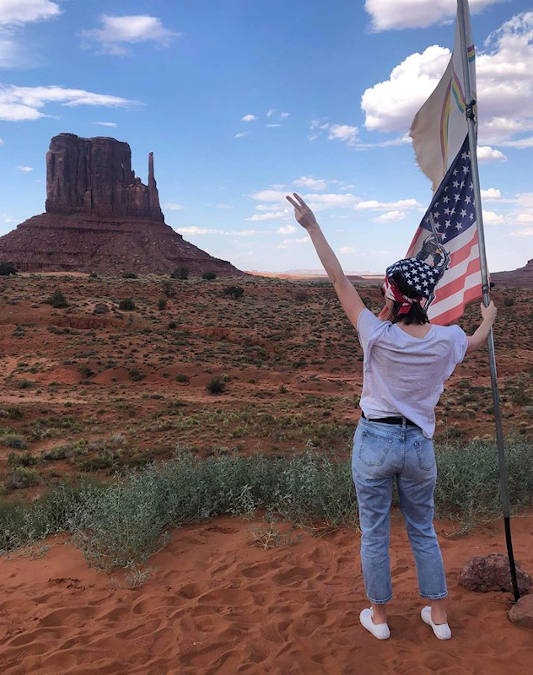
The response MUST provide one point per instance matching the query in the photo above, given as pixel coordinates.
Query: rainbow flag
(439, 127)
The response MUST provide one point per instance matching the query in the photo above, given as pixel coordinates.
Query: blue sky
(243, 101)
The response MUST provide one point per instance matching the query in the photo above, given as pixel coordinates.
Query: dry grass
(89, 388)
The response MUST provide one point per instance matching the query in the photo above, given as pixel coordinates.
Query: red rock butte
(101, 218)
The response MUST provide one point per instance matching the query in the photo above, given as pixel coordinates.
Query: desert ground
(101, 374)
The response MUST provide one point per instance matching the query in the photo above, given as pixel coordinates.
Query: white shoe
(379, 630)
(441, 630)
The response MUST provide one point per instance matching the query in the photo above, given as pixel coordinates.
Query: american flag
(447, 239)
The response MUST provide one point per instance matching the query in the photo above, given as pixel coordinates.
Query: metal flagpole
(485, 285)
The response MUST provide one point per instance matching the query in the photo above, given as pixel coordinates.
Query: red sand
(218, 601)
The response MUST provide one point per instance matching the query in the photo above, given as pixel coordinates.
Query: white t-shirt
(405, 375)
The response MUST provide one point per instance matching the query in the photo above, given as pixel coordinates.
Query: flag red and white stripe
(447, 238)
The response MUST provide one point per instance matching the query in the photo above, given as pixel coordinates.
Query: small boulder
(492, 573)
(521, 613)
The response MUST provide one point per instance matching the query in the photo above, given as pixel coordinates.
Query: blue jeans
(383, 453)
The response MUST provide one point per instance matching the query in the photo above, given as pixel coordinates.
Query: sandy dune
(239, 596)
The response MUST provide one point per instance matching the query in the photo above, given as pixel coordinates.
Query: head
(408, 285)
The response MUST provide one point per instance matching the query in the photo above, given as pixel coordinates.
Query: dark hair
(417, 314)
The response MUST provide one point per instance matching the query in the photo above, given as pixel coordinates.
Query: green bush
(234, 292)
(162, 303)
(209, 276)
(180, 273)
(123, 522)
(7, 268)
(57, 299)
(126, 304)
(216, 385)
(129, 275)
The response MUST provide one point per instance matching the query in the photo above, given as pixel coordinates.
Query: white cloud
(1, 141)
(390, 217)
(401, 204)
(269, 196)
(321, 202)
(222, 205)
(414, 13)
(492, 218)
(248, 118)
(336, 132)
(15, 12)
(172, 206)
(391, 105)
(118, 32)
(273, 125)
(525, 199)
(25, 169)
(343, 132)
(12, 54)
(106, 124)
(491, 193)
(526, 217)
(284, 115)
(346, 250)
(520, 143)
(504, 85)
(272, 215)
(287, 229)
(487, 154)
(241, 134)
(310, 183)
(527, 232)
(290, 243)
(193, 229)
(26, 103)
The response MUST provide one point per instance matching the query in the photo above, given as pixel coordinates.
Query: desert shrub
(21, 459)
(59, 452)
(180, 273)
(123, 522)
(181, 377)
(12, 412)
(7, 269)
(126, 304)
(172, 325)
(469, 485)
(130, 275)
(216, 385)
(209, 276)
(136, 375)
(14, 441)
(21, 477)
(162, 303)
(234, 292)
(169, 289)
(57, 299)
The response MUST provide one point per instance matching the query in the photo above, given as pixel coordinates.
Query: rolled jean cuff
(439, 596)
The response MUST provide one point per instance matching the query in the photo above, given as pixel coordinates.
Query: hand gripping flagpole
(462, 6)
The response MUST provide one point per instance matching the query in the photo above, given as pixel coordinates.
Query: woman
(406, 362)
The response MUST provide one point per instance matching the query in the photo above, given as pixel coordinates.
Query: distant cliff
(94, 176)
(519, 278)
(100, 217)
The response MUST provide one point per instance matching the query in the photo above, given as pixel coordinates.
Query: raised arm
(350, 299)
(480, 335)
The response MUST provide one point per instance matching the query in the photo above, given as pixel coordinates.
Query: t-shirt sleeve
(366, 325)
(460, 344)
